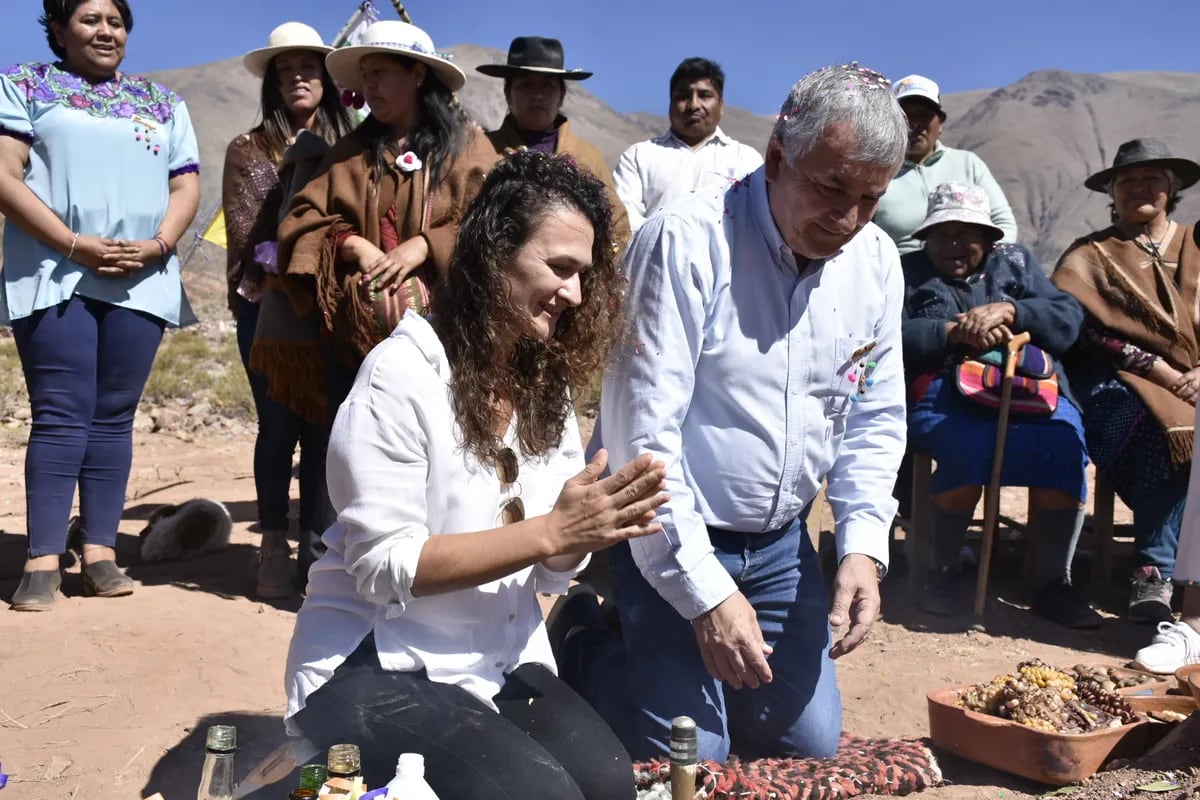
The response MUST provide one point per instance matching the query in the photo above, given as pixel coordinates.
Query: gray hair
(847, 93)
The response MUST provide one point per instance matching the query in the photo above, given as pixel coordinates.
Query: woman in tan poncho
(388, 199)
(1137, 376)
(369, 233)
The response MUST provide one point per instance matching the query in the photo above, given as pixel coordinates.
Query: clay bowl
(1182, 676)
(1152, 684)
(1148, 704)
(1054, 758)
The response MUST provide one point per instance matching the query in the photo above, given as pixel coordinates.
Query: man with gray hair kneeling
(765, 357)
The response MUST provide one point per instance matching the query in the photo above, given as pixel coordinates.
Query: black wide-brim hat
(1145, 153)
(534, 54)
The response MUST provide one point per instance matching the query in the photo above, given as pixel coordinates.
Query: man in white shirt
(694, 153)
(764, 358)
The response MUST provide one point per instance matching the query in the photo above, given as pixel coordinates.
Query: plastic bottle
(409, 783)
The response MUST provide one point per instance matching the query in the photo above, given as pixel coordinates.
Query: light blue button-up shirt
(754, 381)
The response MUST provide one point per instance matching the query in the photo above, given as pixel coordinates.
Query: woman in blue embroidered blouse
(98, 182)
(966, 293)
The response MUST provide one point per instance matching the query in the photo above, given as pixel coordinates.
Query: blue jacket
(1009, 274)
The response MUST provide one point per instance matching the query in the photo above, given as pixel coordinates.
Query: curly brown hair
(474, 318)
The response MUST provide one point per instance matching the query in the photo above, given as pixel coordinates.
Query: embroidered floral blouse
(101, 155)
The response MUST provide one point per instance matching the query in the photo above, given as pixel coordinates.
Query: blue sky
(764, 45)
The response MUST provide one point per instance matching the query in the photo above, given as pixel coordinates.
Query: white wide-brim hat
(288, 36)
(395, 38)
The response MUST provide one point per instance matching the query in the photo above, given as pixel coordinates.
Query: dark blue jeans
(280, 430)
(655, 673)
(86, 363)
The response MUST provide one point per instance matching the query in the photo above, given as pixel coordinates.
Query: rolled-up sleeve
(377, 471)
(646, 396)
(566, 463)
(863, 475)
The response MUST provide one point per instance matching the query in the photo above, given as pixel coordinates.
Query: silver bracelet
(71, 252)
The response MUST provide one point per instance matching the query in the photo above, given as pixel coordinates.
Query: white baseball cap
(921, 87)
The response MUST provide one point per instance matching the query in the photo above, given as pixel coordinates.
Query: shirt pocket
(848, 375)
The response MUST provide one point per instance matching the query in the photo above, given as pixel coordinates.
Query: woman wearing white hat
(297, 96)
(376, 227)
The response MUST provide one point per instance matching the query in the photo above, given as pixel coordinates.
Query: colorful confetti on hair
(858, 80)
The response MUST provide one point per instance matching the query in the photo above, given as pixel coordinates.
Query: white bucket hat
(288, 36)
(398, 39)
(958, 202)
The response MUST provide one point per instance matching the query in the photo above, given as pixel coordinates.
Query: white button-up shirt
(752, 381)
(656, 172)
(397, 476)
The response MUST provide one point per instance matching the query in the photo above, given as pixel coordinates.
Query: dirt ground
(110, 698)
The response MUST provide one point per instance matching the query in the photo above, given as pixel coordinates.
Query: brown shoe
(37, 590)
(105, 579)
(276, 573)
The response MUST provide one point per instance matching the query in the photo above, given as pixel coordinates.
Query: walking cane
(991, 496)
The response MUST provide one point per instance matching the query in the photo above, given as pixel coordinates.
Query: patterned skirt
(1123, 437)
(1040, 452)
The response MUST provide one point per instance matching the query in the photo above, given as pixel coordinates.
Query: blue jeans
(655, 672)
(86, 363)
(1157, 520)
(280, 430)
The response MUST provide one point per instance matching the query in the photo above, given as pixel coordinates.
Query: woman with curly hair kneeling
(421, 630)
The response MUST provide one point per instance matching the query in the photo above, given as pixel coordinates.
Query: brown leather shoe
(37, 590)
(105, 579)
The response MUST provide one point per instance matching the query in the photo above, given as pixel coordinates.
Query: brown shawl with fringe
(250, 198)
(1139, 299)
(347, 196)
(287, 341)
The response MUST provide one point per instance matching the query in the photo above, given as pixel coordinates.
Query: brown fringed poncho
(347, 196)
(1141, 300)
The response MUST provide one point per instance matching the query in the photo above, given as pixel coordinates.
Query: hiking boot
(1175, 645)
(1059, 601)
(37, 590)
(1150, 597)
(943, 593)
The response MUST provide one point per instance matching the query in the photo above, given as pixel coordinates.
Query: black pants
(545, 744)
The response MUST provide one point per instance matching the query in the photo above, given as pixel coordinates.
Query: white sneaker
(1175, 644)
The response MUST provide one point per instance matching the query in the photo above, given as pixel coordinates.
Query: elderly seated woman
(1137, 366)
(965, 294)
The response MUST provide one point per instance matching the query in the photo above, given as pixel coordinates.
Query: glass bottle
(312, 776)
(216, 779)
(343, 761)
(303, 794)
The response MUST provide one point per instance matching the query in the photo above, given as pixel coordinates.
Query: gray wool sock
(947, 532)
(1058, 534)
